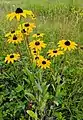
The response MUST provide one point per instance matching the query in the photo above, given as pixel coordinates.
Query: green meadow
(28, 92)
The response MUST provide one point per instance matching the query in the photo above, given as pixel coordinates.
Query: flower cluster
(37, 44)
(17, 36)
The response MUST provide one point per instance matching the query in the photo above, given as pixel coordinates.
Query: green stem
(28, 49)
(18, 49)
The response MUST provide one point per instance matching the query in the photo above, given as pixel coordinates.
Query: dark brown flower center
(11, 56)
(33, 16)
(43, 62)
(14, 37)
(13, 31)
(48, 58)
(23, 31)
(67, 43)
(34, 51)
(26, 25)
(36, 58)
(19, 10)
(54, 51)
(38, 33)
(37, 43)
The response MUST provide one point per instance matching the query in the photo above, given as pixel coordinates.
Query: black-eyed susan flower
(67, 45)
(43, 63)
(16, 38)
(11, 33)
(18, 13)
(34, 52)
(38, 35)
(37, 57)
(12, 58)
(25, 31)
(37, 44)
(32, 16)
(55, 52)
(26, 28)
(28, 25)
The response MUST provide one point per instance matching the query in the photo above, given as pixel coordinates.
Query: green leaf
(29, 95)
(29, 74)
(56, 102)
(38, 86)
(59, 115)
(32, 114)
(1, 118)
(19, 88)
(1, 86)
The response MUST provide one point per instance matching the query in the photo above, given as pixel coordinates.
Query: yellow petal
(24, 15)
(18, 17)
(11, 17)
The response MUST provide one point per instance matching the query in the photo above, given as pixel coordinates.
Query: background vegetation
(53, 96)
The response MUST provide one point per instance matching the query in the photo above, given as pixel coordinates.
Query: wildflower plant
(67, 45)
(40, 87)
(18, 13)
(12, 58)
